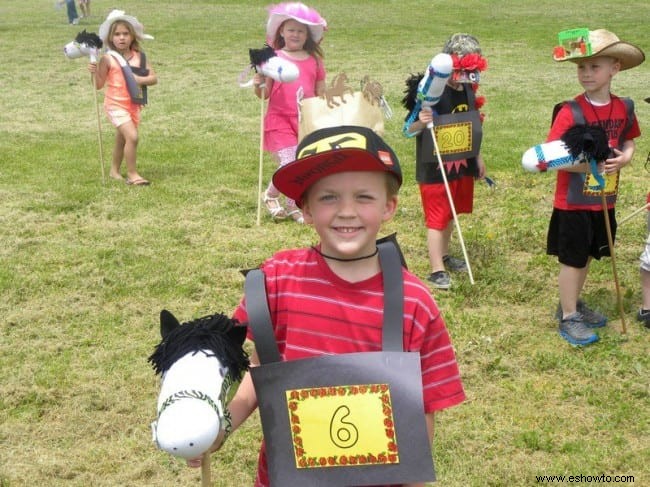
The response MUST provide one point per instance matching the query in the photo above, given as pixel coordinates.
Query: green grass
(85, 268)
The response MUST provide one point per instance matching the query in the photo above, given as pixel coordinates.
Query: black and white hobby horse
(199, 361)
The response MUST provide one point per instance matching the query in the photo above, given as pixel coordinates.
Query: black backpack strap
(259, 318)
(391, 267)
(392, 238)
(576, 111)
(629, 117)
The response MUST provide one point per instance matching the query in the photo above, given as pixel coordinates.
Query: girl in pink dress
(294, 31)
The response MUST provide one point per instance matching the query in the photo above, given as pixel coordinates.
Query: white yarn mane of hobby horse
(199, 361)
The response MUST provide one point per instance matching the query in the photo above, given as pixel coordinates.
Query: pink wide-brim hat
(116, 15)
(300, 13)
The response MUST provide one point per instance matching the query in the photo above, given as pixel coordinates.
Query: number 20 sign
(342, 426)
(458, 135)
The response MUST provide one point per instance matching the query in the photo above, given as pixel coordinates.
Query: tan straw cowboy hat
(606, 43)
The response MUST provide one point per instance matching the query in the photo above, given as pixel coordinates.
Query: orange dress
(117, 101)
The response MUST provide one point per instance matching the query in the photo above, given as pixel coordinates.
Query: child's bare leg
(570, 282)
(129, 133)
(118, 155)
(438, 246)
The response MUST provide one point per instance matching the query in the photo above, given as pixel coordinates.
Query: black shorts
(576, 235)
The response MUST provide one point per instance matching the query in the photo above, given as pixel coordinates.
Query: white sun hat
(121, 15)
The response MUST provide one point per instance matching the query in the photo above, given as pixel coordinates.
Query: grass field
(85, 267)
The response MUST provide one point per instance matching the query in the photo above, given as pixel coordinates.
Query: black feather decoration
(260, 56)
(588, 140)
(411, 92)
(217, 333)
(89, 38)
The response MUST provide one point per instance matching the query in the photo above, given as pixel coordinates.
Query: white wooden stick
(99, 129)
(261, 164)
(634, 213)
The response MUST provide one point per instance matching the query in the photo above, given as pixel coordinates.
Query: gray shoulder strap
(391, 267)
(576, 111)
(259, 318)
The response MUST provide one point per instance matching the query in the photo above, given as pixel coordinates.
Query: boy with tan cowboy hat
(578, 227)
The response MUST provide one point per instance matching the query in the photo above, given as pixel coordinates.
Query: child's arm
(149, 80)
(244, 401)
(425, 117)
(621, 158)
(99, 71)
(241, 407)
(481, 166)
(321, 86)
(429, 421)
(258, 81)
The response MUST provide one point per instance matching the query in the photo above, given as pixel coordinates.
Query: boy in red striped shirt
(328, 298)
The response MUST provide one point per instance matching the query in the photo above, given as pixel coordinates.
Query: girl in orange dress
(126, 73)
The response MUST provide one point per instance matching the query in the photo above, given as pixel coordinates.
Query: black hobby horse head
(89, 38)
(588, 140)
(219, 334)
(260, 56)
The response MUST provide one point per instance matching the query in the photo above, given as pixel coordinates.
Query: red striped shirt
(315, 312)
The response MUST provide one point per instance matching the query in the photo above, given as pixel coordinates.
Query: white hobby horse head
(85, 44)
(266, 62)
(199, 361)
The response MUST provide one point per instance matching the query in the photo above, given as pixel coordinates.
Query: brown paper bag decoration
(341, 105)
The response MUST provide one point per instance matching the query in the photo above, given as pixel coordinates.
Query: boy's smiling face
(347, 210)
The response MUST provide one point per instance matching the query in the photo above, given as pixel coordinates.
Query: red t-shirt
(613, 118)
(315, 312)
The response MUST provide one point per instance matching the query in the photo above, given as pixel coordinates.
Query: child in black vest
(578, 228)
(458, 97)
